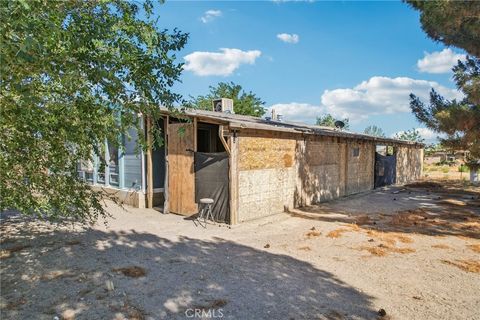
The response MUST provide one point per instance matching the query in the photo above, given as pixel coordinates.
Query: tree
(409, 135)
(374, 131)
(327, 120)
(246, 103)
(454, 23)
(75, 74)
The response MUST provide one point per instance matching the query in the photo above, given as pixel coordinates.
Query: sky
(352, 59)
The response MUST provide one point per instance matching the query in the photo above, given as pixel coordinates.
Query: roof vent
(223, 105)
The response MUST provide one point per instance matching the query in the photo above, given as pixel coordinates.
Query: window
(85, 170)
(132, 161)
(356, 152)
(113, 178)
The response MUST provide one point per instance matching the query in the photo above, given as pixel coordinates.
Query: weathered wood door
(181, 177)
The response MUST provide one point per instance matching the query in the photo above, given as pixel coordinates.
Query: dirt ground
(412, 251)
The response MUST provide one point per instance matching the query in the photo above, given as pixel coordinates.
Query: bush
(463, 168)
(446, 170)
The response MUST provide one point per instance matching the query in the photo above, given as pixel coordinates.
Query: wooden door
(181, 177)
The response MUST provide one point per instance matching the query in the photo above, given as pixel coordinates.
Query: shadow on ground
(437, 209)
(72, 273)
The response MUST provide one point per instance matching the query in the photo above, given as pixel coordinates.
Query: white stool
(205, 210)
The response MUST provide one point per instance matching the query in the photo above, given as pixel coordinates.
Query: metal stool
(205, 210)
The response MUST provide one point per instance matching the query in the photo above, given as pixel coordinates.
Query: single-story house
(251, 167)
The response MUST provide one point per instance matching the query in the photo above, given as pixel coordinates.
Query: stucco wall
(409, 164)
(360, 174)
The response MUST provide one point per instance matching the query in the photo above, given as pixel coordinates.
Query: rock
(266, 246)
(109, 285)
(382, 313)
(370, 240)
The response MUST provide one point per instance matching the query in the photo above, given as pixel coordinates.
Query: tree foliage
(459, 120)
(374, 131)
(410, 135)
(454, 23)
(246, 103)
(327, 120)
(73, 75)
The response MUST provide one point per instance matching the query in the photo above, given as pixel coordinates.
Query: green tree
(374, 131)
(73, 75)
(454, 23)
(409, 135)
(327, 120)
(246, 103)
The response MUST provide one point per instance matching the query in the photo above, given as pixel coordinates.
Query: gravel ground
(412, 251)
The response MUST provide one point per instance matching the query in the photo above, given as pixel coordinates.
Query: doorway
(211, 165)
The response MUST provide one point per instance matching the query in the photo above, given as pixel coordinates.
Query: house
(251, 167)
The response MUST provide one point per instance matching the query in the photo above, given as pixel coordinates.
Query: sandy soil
(412, 251)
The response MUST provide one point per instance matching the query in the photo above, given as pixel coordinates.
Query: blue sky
(352, 59)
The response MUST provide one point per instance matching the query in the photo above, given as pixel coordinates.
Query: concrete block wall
(266, 174)
(264, 192)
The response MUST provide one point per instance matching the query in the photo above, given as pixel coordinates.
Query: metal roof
(236, 121)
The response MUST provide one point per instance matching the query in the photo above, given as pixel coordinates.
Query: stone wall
(409, 164)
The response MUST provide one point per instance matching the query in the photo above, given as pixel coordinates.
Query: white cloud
(439, 61)
(221, 63)
(376, 96)
(288, 38)
(380, 95)
(210, 15)
(300, 112)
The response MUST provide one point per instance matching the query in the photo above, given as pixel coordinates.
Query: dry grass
(384, 249)
(7, 253)
(305, 248)
(390, 238)
(313, 234)
(13, 305)
(214, 304)
(73, 242)
(132, 312)
(465, 265)
(363, 220)
(57, 274)
(132, 272)
(376, 251)
(474, 247)
(337, 233)
(424, 184)
(441, 246)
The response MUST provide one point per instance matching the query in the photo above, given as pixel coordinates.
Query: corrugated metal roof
(236, 121)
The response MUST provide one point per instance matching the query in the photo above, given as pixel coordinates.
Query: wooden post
(149, 164)
(166, 203)
(233, 179)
